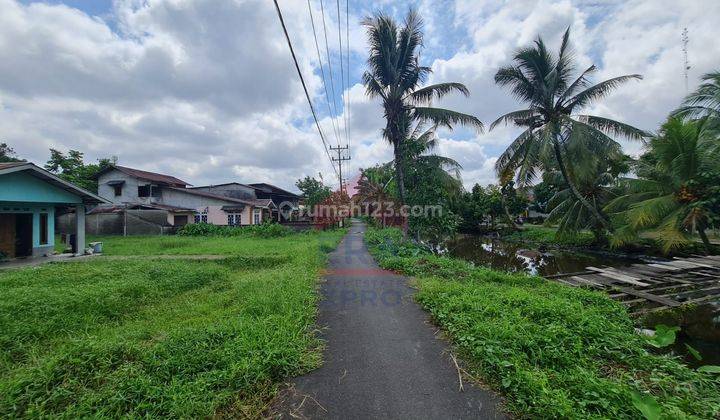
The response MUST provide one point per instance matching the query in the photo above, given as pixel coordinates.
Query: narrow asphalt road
(383, 359)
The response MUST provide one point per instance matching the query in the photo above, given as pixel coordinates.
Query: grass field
(553, 351)
(160, 338)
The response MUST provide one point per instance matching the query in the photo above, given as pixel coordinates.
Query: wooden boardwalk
(655, 286)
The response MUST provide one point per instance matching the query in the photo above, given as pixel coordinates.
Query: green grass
(160, 338)
(553, 351)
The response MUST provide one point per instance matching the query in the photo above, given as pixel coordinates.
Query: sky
(206, 90)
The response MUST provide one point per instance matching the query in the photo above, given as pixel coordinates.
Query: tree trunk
(511, 222)
(399, 173)
(703, 236)
(594, 211)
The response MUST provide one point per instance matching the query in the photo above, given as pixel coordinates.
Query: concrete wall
(21, 187)
(129, 188)
(139, 222)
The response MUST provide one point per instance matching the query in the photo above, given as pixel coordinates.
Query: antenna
(685, 41)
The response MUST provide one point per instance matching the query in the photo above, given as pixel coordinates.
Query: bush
(554, 351)
(265, 230)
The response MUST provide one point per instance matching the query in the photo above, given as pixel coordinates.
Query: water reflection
(515, 257)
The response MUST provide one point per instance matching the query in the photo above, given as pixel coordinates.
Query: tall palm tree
(704, 101)
(395, 76)
(673, 196)
(553, 130)
(418, 150)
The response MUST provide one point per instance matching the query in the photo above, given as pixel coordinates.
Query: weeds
(160, 338)
(552, 350)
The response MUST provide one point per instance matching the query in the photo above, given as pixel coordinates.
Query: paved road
(382, 359)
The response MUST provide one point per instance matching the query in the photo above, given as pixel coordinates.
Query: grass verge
(160, 338)
(552, 350)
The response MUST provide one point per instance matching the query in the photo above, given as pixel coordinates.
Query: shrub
(554, 351)
(265, 230)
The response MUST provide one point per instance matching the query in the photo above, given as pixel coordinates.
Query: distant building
(29, 198)
(231, 203)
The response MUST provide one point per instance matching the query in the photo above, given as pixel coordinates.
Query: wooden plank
(616, 275)
(682, 264)
(664, 267)
(586, 282)
(707, 291)
(695, 263)
(649, 296)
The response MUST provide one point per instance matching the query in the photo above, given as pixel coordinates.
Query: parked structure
(155, 202)
(29, 197)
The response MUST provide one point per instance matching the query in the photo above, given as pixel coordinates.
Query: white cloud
(207, 91)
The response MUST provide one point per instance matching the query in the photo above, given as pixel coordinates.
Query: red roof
(149, 176)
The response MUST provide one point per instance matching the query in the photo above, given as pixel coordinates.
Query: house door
(7, 235)
(23, 235)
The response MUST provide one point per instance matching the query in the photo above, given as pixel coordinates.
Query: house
(164, 196)
(284, 203)
(29, 198)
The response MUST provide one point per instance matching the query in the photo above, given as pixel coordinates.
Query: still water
(700, 326)
(515, 257)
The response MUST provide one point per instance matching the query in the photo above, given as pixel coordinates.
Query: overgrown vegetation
(554, 351)
(264, 230)
(144, 337)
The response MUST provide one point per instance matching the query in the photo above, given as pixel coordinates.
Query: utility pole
(340, 159)
(685, 40)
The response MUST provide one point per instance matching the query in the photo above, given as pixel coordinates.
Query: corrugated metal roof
(251, 202)
(146, 175)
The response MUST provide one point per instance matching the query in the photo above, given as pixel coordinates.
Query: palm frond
(598, 91)
(514, 116)
(437, 91)
(613, 128)
(446, 117)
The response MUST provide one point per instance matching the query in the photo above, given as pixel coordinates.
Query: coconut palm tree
(417, 151)
(673, 197)
(599, 187)
(396, 77)
(705, 101)
(553, 129)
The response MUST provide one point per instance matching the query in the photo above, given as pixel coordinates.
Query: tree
(374, 190)
(71, 168)
(553, 132)
(315, 191)
(395, 76)
(704, 101)
(7, 154)
(541, 195)
(598, 186)
(678, 193)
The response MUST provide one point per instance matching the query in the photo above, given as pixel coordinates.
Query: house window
(201, 217)
(44, 234)
(118, 190)
(234, 219)
(143, 191)
(257, 216)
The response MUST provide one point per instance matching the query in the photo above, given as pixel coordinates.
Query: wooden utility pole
(340, 159)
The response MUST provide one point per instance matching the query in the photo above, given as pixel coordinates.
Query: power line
(342, 70)
(322, 73)
(307, 95)
(347, 57)
(327, 52)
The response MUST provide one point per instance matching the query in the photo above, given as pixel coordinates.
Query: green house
(29, 198)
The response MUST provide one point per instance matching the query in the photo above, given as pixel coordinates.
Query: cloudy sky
(206, 90)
